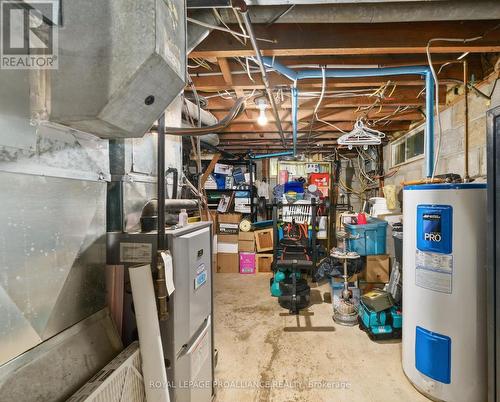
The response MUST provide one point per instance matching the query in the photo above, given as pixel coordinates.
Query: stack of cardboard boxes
(243, 252)
(227, 242)
(246, 248)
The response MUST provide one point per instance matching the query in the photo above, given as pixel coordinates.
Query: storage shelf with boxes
(244, 252)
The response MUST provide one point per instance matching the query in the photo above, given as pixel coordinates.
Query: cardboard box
(246, 241)
(246, 245)
(241, 201)
(246, 236)
(264, 262)
(228, 263)
(264, 239)
(227, 247)
(228, 223)
(377, 269)
(214, 261)
(227, 243)
(227, 238)
(244, 209)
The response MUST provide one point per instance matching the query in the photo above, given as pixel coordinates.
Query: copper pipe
(422, 181)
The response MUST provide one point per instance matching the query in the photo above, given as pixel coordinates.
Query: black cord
(482, 93)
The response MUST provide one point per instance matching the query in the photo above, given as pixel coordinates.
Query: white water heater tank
(444, 302)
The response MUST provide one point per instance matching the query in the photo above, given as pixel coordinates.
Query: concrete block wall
(452, 142)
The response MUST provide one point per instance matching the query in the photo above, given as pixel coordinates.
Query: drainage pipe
(243, 10)
(424, 71)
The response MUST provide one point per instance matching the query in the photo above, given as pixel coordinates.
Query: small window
(408, 148)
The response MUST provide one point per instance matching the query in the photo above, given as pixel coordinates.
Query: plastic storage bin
(372, 237)
(296, 186)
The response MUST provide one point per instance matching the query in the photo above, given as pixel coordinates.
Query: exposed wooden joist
(218, 83)
(402, 96)
(380, 60)
(333, 115)
(332, 39)
(225, 70)
(343, 125)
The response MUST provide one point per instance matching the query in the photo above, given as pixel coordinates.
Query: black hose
(175, 183)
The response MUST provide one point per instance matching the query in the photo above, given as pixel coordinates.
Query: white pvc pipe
(153, 366)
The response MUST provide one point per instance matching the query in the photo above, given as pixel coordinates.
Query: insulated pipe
(376, 72)
(236, 110)
(242, 8)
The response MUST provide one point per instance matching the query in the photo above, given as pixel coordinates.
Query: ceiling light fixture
(261, 103)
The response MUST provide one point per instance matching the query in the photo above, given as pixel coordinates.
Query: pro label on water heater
(434, 259)
(434, 228)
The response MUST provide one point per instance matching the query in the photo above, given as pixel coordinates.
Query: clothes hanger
(361, 135)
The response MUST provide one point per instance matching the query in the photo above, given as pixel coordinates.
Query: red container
(283, 177)
(322, 181)
(247, 263)
(362, 219)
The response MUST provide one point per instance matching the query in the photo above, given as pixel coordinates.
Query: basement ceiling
(222, 68)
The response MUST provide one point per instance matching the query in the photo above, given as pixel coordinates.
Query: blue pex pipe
(274, 155)
(369, 72)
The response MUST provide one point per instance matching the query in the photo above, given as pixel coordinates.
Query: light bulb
(349, 146)
(262, 120)
(365, 147)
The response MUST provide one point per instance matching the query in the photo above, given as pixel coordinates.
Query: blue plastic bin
(296, 186)
(372, 237)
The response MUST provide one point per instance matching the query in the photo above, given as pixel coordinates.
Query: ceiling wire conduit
(424, 71)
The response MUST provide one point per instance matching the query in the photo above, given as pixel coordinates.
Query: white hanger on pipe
(361, 135)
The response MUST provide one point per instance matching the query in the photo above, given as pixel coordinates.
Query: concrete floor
(267, 355)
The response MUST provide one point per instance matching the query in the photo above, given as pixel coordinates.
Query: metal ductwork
(196, 33)
(341, 11)
(120, 79)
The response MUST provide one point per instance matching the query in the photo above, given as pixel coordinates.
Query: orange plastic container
(322, 181)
